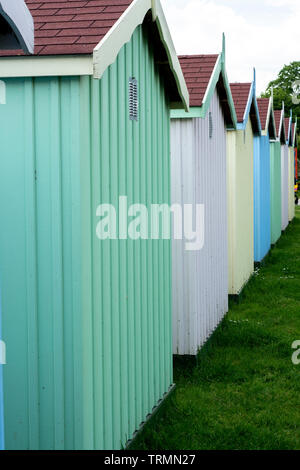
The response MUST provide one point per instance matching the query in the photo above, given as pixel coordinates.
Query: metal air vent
(133, 99)
(211, 127)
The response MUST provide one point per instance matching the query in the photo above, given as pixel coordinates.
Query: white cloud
(266, 38)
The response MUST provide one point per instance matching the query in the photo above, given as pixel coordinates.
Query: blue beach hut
(262, 180)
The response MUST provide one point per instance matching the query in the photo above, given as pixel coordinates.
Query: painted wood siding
(200, 278)
(262, 198)
(291, 190)
(240, 207)
(275, 163)
(87, 322)
(284, 187)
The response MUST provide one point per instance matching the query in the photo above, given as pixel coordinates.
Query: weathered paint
(89, 332)
(275, 164)
(240, 207)
(200, 278)
(262, 197)
(291, 191)
(284, 186)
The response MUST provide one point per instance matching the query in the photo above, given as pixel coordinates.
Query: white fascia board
(281, 126)
(290, 132)
(167, 41)
(248, 106)
(270, 115)
(17, 14)
(106, 51)
(265, 132)
(212, 81)
(295, 133)
(46, 66)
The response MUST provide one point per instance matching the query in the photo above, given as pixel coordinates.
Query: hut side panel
(200, 278)
(291, 191)
(89, 330)
(284, 187)
(262, 198)
(275, 164)
(183, 262)
(134, 301)
(256, 198)
(240, 207)
(39, 259)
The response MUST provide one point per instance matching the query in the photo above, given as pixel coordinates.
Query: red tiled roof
(197, 71)
(71, 26)
(263, 108)
(277, 115)
(240, 94)
(286, 126)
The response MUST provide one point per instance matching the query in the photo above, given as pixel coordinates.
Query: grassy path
(245, 391)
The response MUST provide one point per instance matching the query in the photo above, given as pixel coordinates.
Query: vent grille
(211, 127)
(133, 99)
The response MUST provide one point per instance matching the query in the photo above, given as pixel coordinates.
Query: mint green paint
(194, 112)
(87, 323)
(275, 162)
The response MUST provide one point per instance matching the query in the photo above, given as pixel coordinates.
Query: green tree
(284, 88)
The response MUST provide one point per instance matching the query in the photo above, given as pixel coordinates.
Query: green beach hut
(16, 31)
(87, 321)
(275, 162)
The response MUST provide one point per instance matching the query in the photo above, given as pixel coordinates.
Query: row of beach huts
(104, 108)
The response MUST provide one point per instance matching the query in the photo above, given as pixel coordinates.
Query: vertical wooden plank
(123, 298)
(115, 260)
(136, 129)
(45, 300)
(130, 252)
(31, 263)
(149, 189)
(86, 262)
(57, 275)
(98, 352)
(77, 315)
(143, 115)
(106, 267)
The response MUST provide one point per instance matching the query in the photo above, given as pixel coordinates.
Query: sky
(264, 34)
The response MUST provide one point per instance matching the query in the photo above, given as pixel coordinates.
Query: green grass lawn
(244, 391)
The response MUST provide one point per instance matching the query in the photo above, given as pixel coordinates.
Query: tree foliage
(284, 87)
